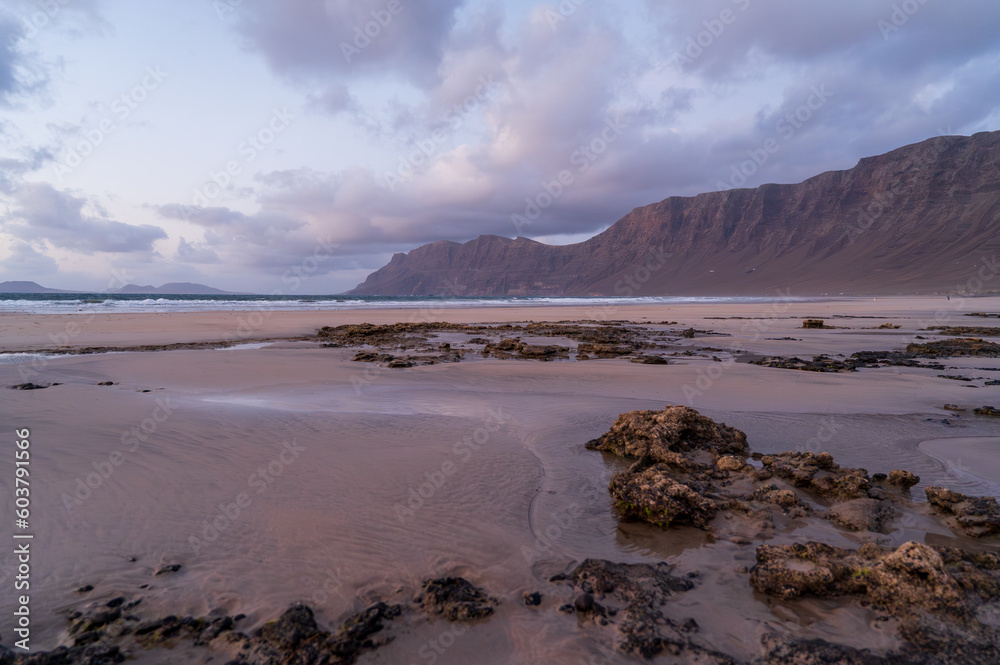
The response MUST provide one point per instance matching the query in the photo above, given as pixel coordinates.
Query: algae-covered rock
(675, 429)
(976, 516)
(628, 600)
(653, 496)
(456, 599)
(819, 474)
(863, 514)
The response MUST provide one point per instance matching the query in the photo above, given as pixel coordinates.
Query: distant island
(172, 289)
(28, 287)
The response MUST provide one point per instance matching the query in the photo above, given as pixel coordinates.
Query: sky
(292, 146)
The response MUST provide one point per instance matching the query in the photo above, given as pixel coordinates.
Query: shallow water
(474, 469)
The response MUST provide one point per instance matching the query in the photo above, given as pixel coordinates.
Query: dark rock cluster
(628, 600)
(689, 469)
(115, 631)
(456, 599)
(381, 344)
(935, 593)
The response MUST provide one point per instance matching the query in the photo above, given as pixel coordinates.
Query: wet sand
(338, 484)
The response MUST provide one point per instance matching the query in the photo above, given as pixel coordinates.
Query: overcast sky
(241, 143)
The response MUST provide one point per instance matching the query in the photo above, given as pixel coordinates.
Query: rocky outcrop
(948, 348)
(115, 631)
(628, 599)
(863, 514)
(976, 516)
(819, 474)
(687, 468)
(784, 651)
(665, 436)
(905, 221)
(456, 599)
(652, 495)
(935, 593)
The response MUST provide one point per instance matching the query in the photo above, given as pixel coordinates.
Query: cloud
(191, 252)
(345, 39)
(40, 212)
(24, 259)
(13, 169)
(24, 72)
(270, 242)
(20, 75)
(591, 113)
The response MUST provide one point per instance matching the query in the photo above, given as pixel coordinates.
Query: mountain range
(922, 218)
(173, 288)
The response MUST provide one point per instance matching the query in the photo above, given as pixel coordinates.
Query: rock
(791, 651)
(33, 386)
(650, 360)
(605, 350)
(543, 352)
(967, 331)
(508, 344)
(952, 407)
(295, 637)
(456, 599)
(675, 429)
(813, 323)
(819, 363)
(532, 599)
(112, 633)
(934, 593)
(779, 497)
(356, 631)
(863, 515)
(652, 496)
(902, 479)
(295, 626)
(172, 568)
(819, 474)
(987, 411)
(790, 571)
(955, 377)
(976, 516)
(642, 628)
(688, 334)
(730, 463)
(107, 383)
(888, 326)
(947, 348)
(583, 602)
(913, 576)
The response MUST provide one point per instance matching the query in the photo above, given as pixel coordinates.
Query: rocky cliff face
(923, 218)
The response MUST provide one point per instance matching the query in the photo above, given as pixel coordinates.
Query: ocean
(90, 303)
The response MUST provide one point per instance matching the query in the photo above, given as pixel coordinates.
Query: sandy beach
(280, 470)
